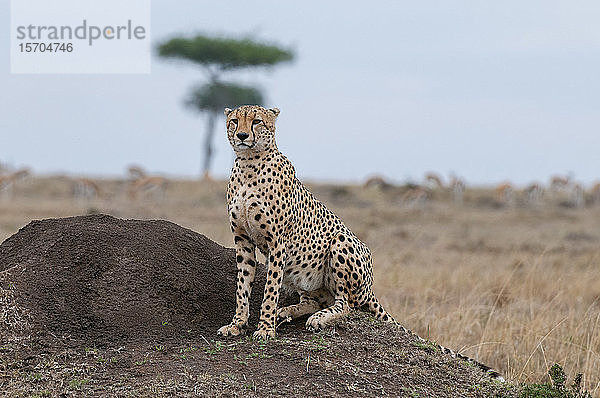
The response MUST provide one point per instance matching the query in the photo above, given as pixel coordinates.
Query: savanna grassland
(516, 286)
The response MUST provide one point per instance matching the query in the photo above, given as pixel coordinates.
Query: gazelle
(577, 195)
(85, 189)
(533, 193)
(136, 172)
(377, 182)
(560, 183)
(9, 181)
(505, 193)
(155, 186)
(596, 193)
(415, 197)
(457, 189)
(434, 181)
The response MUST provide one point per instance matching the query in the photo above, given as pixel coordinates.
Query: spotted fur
(307, 247)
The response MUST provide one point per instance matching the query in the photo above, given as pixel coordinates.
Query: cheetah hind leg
(335, 310)
(310, 302)
(325, 317)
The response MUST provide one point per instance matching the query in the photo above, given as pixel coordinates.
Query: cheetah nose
(242, 136)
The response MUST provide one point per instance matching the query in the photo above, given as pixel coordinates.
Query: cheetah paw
(315, 323)
(264, 334)
(284, 315)
(231, 330)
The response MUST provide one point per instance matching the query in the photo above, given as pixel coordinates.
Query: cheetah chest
(246, 208)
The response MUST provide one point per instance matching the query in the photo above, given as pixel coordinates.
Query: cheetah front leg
(246, 266)
(268, 310)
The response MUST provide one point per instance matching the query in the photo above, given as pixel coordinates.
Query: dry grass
(517, 288)
(519, 301)
(14, 320)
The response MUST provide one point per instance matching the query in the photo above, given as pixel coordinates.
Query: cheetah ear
(275, 111)
(227, 111)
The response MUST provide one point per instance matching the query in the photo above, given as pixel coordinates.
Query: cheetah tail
(380, 313)
(492, 373)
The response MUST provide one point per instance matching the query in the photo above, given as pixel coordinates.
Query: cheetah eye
(234, 121)
(256, 121)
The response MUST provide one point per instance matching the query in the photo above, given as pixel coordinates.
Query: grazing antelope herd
(138, 185)
(560, 189)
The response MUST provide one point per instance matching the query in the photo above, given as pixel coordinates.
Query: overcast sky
(490, 91)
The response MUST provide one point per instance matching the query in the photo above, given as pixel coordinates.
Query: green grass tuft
(557, 388)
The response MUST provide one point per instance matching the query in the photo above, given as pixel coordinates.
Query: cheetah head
(251, 128)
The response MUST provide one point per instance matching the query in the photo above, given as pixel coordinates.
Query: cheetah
(307, 247)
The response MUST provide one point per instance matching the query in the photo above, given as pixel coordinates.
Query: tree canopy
(224, 53)
(215, 96)
(219, 55)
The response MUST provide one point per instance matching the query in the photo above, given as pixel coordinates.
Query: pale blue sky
(489, 91)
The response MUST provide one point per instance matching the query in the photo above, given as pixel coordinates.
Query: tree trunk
(208, 148)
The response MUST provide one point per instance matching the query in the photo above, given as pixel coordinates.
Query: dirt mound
(100, 278)
(97, 306)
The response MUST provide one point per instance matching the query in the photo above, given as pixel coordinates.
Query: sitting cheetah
(307, 247)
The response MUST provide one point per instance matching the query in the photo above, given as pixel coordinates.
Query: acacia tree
(217, 56)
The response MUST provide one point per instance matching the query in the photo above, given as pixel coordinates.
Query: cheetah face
(251, 128)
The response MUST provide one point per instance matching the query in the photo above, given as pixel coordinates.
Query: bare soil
(99, 306)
